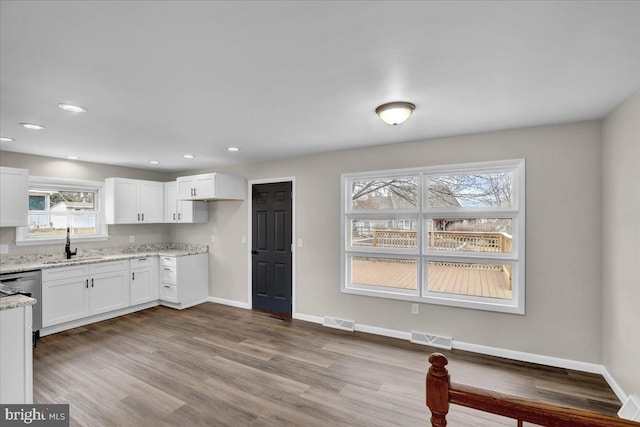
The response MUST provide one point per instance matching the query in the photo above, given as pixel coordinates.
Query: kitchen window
(449, 235)
(55, 205)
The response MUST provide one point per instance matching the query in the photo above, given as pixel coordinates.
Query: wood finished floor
(214, 365)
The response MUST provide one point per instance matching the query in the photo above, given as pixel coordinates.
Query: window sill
(462, 301)
(60, 240)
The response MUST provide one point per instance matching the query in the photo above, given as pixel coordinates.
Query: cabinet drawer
(168, 261)
(169, 292)
(58, 273)
(141, 262)
(108, 267)
(168, 275)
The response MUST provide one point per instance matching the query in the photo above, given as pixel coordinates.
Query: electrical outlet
(300, 243)
(243, 240)
(4, 249)
(415, 309)
(132, 239)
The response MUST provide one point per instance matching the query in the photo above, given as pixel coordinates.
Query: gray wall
(621, 248)
(564, 223)
(59, 168)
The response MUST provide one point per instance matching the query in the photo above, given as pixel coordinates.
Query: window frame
(423, 254)
(47, 183)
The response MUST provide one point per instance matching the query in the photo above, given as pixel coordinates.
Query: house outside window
(450, 235)
(55, 205)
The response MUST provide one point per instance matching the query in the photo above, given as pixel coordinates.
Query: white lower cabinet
(143, 280)
(184, 281)
(71, 293)
(16, 356)
(77, 292)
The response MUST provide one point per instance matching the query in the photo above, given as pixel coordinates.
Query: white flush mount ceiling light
(32, 126)
(395, 113)
(233, 149)
(189, 156)
(6, 139)
(73, 108)
(73, 158)
(154, 162)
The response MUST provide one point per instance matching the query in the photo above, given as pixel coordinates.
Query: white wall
(59, 168)
(564, 223)
(621, 244)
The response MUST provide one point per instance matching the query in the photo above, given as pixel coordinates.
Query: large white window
(451, 235)
(57, 204)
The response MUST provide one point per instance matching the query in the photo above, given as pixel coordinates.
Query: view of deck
(461, 279)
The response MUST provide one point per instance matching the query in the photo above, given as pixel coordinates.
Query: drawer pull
(167, 268)
(167, 286)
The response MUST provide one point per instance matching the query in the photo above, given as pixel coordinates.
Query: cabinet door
(125, 201)
(170, 201)
(151, 201)
(14, 197)
(185, 188)
(142, 286)
(108, 292)
(205, 186)
(64, 300)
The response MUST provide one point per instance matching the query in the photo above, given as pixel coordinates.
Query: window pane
(478, 235)
(55, 224)
(484, 280)
(470, 190)
(387, 272)
(384, 233)
(390, 193)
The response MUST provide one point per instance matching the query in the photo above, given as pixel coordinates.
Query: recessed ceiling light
(32, 126)
(73, 108)
(6, 139)
(73, 157)
(189, 156)
(154, 162)
(233, 149)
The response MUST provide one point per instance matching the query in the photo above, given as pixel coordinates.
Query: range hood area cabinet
(14, 200)
(183, 211)
(211, 186)
(133, 201)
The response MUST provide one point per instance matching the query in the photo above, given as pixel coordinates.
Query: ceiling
(279, 79)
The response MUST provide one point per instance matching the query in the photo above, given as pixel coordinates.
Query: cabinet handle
(167, 286)
(195, 191)
(138, 217)
(92, 283)
(179, 215)
(174, 216)
(167, 268)
(87, 283)
(143, 217)
(133, 276)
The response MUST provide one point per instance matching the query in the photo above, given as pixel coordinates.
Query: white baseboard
(308, 318)
(614, 385)
(230, 302)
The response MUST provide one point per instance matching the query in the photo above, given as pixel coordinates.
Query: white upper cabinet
(211, 186)
(14, 197)
(182, 210)
(133, 201)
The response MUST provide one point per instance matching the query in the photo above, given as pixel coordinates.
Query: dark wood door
(271, 247)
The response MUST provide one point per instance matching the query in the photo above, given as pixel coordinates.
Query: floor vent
(432, 340)
(345, 325)
(631, 409)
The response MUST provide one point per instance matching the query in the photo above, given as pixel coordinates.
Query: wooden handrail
(441, 392)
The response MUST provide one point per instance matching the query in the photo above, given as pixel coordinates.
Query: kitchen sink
(79, 259)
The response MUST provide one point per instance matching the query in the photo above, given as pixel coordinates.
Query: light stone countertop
(20, 263)
(15, 301)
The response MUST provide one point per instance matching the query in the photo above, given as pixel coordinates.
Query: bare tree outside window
(394, 193)
(471, 190)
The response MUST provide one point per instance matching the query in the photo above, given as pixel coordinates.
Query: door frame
(250, 183)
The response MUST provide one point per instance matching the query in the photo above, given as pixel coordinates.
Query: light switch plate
(213, 238)
(300, 243)
(4, 249)
(132, 239)
(243, 240)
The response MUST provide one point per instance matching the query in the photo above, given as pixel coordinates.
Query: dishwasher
(26, 283)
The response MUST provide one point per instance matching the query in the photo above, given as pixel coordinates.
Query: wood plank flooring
(214, 365)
